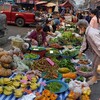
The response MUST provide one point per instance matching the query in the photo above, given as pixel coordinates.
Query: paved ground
(95, 95)
(14, 30)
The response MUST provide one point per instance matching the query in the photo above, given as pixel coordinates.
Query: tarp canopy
(56, 7)
(50, 4)
(40, 2)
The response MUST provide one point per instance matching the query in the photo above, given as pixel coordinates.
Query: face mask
(82, 32)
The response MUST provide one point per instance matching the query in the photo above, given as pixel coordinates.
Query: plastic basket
(40, 52)
(17, 43)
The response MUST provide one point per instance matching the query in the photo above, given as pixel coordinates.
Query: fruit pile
(46, 95)
(17, 85)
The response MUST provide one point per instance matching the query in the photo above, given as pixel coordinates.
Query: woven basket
(17, 43)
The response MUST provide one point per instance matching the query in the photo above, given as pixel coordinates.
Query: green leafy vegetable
(54, 86)
(80, 78)
(67, 63)
(85, 69)
(31, 56)
(67, 80)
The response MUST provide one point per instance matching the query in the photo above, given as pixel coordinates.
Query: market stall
(45, 73)
(50, 7)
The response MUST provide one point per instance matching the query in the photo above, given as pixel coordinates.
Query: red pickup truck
(14, 16)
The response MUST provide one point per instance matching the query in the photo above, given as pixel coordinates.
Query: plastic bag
(20, 65)
(28, 97)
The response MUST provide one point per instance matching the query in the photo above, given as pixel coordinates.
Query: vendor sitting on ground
(38, 37)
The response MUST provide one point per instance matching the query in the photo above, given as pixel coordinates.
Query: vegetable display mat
(61, 96)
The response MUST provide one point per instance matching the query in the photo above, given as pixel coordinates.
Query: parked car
(14, 16)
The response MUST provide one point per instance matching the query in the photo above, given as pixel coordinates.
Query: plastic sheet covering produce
(2, 21)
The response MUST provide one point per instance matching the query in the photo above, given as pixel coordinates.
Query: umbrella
(41, 2)
(50, 4)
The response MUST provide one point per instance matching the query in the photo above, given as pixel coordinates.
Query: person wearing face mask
(91, 41)
(95, 21)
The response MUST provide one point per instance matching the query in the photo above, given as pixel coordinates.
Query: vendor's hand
(34, 42)
(80, 54)
(45, 44)
(53, 34)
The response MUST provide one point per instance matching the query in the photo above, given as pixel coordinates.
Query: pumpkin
(69, 75)
(53, 96)
(6, 59)
(46, 93)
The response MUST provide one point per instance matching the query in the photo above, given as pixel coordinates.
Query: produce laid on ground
(18, 84)
(53, 53)
(46, 67)
(58, 74)
(36, 48)
(83, 61)
(5, 63)
(67, 38)
(31, 56)
(85, 71)
(67, 64)
(56, 86)
(56, 45)
(70, 53)
(47, 95)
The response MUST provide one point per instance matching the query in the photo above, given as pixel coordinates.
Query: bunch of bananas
(17, 84)
(18, 93)
(8, 90)
(33, 84)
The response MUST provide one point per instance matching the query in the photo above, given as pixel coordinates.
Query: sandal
(92, 81)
